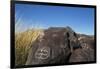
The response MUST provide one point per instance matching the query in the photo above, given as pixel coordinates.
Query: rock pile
(59, 45)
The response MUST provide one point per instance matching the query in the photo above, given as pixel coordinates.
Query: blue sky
(27, 16)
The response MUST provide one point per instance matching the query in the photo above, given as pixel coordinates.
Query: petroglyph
(42, 53)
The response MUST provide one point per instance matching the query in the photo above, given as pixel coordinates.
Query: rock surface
(58, 45)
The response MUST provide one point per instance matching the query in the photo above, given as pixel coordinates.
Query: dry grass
(23, 41)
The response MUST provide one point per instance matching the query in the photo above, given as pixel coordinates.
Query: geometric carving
(42, 53)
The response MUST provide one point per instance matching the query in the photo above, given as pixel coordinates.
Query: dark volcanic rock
(58, 45)
(87, 51)
(82, 55)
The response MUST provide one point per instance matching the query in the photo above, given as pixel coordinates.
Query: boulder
(86, 52)
(59, 45)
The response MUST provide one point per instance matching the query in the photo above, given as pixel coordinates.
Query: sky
(28, 16)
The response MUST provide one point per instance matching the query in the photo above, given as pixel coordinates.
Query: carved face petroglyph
(42, 53)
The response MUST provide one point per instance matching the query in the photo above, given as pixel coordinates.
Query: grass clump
(23, 42)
